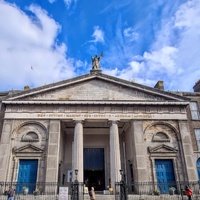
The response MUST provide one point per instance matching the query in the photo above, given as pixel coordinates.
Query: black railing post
(75, 187)
(182, 190)
(123, 188)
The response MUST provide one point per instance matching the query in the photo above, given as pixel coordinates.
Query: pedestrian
(11, 193)
(92, 194)
(188, 192)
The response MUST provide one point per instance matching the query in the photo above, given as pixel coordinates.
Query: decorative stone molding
(170, 126)
(28, 150)
(160, 137)
(30, 137)
(162, 149)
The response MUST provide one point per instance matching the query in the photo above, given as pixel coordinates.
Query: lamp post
(121, 173)
(76, 174)
(123, 192)
(180, 185)
(75, 195)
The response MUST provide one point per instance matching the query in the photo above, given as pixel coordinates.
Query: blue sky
(44, 41)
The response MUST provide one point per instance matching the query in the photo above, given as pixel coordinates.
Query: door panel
(94, 158)
(27, 175)
(94, 173)
(165, 175)
(198, 168)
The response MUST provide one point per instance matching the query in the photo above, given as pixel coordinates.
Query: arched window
(30, 137)
(160, 137)
(198, 168)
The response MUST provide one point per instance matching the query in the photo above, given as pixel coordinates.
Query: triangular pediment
(27, 149)
(162, 149)
(94, 87)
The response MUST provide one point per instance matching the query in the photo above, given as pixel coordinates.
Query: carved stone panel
(94, 90)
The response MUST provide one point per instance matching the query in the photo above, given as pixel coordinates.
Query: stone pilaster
(53, 151)
(187, 151)
(140, 151)
(5, 149)
(115, 161)
(78, 150)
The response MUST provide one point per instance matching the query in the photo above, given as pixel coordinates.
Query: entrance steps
(101, 197)
(104, 197)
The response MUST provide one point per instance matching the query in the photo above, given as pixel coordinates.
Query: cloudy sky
(44, 41)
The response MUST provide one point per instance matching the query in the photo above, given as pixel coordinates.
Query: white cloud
(174, 55)
(163, 59)
(98, 35)
(135, 66)
(182, 33)
(29, 53)
(187, 13)
(131, 34)
(68, 3)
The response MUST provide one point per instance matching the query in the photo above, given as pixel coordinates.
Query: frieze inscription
(63, 115)
(93, 116)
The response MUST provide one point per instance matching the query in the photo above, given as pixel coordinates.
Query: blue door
(94, 173)
(27, 175)
(198, 168)
(165, 175)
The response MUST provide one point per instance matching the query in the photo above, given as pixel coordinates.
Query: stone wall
(193, 124)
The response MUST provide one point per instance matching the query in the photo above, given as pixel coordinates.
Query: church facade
(96, 125)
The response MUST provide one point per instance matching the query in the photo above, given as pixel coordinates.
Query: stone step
(100, 197)
(104, 197)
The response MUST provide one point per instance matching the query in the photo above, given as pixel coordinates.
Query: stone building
(99, 124)
(194, 122)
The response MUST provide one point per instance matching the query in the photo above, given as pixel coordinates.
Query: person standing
(92, 194)
(188, 192)
(11, 194)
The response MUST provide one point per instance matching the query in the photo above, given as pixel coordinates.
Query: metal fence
(39, 188)
(154, 188)
(43, 189)
(50, 191)
(121, 191)
(77, 191)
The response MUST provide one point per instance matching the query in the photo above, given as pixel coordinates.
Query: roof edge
(106, 77)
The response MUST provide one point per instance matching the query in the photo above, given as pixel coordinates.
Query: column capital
(78, 121)
(113, 121)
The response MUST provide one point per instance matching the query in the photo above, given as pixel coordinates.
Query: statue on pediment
(96, 62)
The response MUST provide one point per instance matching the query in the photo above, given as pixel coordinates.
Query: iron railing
(122, 190)
(155, 188)
(39, 188)
(75, 189)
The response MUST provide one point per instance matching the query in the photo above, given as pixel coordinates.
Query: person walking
(188, 192)
(92, 194)
(11, 194)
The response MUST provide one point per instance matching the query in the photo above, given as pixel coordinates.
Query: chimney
(159, 85)
(26, 87)
(197, 86)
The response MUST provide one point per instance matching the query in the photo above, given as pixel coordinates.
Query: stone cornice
(90, 102)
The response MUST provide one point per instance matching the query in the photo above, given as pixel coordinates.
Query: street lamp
(75, 188)
(122, 174)
(123, 189)
(76, 174)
